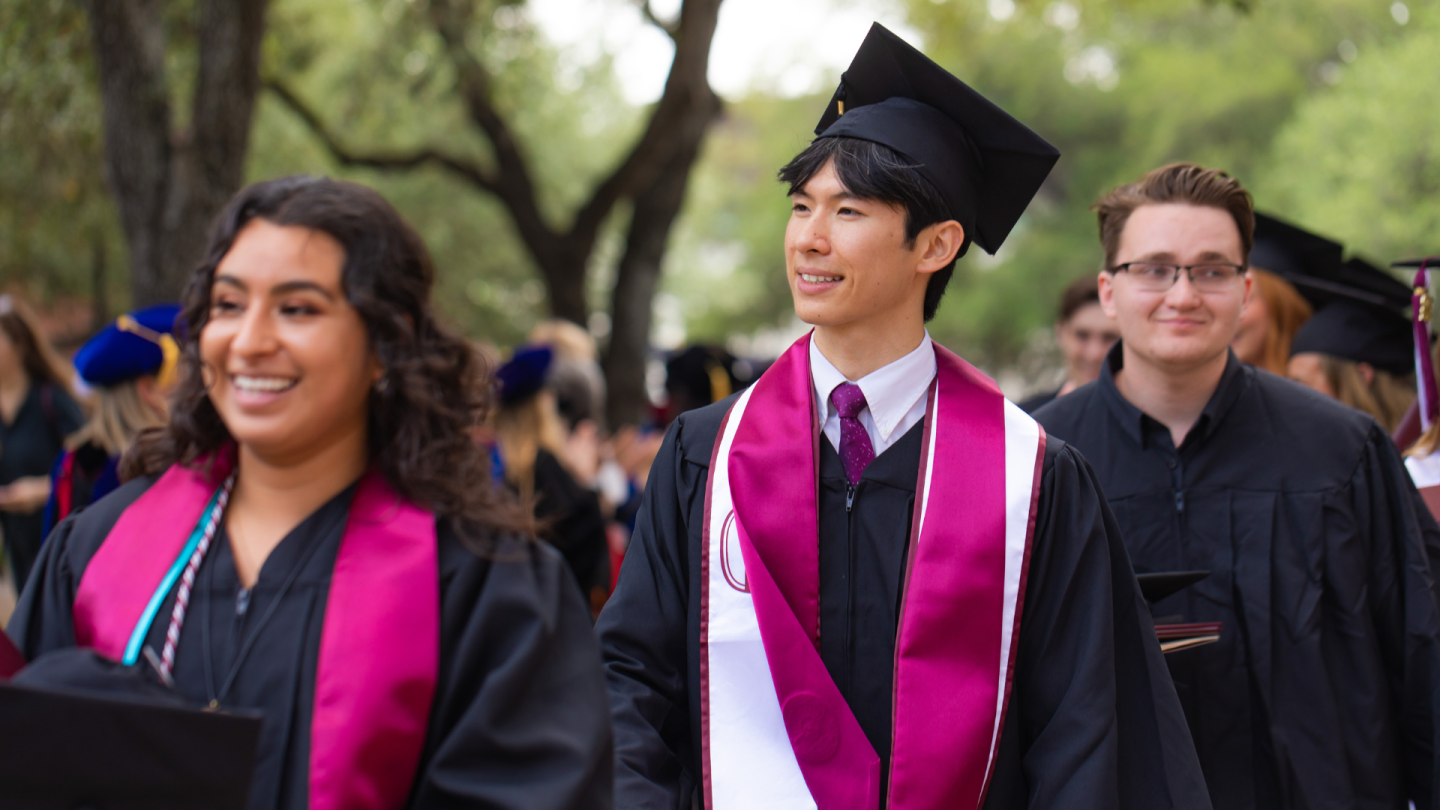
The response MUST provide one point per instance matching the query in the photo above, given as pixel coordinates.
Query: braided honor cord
(187, 580)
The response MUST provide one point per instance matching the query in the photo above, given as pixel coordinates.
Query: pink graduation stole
(379, 648)
(775, 730)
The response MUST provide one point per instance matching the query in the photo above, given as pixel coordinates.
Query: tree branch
(672, 28)
(392, 161)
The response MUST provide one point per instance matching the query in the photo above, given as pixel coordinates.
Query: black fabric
(518, 719)
(1363, 333)
(83, 732)
(1038, 401)
(572, 522)
(1321, 691)
(1093, 719)
(28, 446)
(1309, 261)
(985, 164)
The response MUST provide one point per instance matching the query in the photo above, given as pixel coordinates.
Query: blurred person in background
(37, 413)
(1084, 333)
(1360, 355)
(1321, 691)
(532, 438)
(1359, 348)
(1269, 321)
(131, 367)
(697, 376)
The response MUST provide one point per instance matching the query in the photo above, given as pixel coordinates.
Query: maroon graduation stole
(775, 730)
(379, 648)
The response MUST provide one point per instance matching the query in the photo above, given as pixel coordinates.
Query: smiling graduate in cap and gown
(868, 580)
(316, 538)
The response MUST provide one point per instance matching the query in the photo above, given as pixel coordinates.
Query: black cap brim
(1159, 585)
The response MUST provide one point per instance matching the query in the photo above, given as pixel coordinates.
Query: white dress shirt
(894, 394)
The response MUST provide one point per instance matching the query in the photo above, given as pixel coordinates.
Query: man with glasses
(1321, 692)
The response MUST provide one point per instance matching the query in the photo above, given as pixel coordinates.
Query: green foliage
(55, 213)
(376, 73)
(1361, 160)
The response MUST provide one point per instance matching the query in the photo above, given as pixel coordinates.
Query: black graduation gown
(1093, 719)
(1321, 691)
(28, 446)
(572, 522)
(519, 717)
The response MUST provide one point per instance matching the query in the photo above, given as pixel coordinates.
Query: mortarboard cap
(1433, 262)
(985, 164)
(1307, 260)
(136, 344)
(1360, 332)
(524, 374)
(74, 745)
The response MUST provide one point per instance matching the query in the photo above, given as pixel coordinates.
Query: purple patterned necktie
(856, 451)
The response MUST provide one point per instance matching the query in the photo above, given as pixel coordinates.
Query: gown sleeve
(43, 619)
(1404, 554)
(520, 720)
(643, 634)
(1093, 717)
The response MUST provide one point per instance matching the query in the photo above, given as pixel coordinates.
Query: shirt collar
(890, 391)
(1233, 381)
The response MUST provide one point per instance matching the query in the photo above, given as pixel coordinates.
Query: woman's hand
(25, 495)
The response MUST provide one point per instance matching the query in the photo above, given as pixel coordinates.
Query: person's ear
(939, 245)
(1106, 281)
(1367, 373)
(1249, 290)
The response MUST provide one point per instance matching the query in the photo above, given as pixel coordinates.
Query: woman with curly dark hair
(345, 562)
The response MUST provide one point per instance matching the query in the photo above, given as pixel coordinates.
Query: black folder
(73, 749)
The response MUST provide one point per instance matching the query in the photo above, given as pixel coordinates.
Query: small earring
(382, 385)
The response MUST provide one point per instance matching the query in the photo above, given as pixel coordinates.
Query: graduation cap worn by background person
(985, 164)
(1309, 261)
(135, 344)
(1363, 322)
(524, 374)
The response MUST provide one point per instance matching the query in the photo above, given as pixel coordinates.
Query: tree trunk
(169, 185)
(655, 211)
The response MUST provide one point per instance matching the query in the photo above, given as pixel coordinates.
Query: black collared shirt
(1321, 691)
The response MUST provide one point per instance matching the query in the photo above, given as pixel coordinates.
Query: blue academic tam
(135, 344)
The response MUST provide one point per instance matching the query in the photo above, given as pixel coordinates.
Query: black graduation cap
(985, 164)
(1363, 321)
(1309, 261)
(73, 746)
(1362, 332)
(1432, 263)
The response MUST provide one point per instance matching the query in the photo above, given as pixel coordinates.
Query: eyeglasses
(1205, 278)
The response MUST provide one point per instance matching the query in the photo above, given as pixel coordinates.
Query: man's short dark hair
(871, 171)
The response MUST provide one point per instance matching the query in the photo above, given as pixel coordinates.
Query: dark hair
(872, 171)
(435, 390)
(1176, 183)
(1082, 291)
(42, 364)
